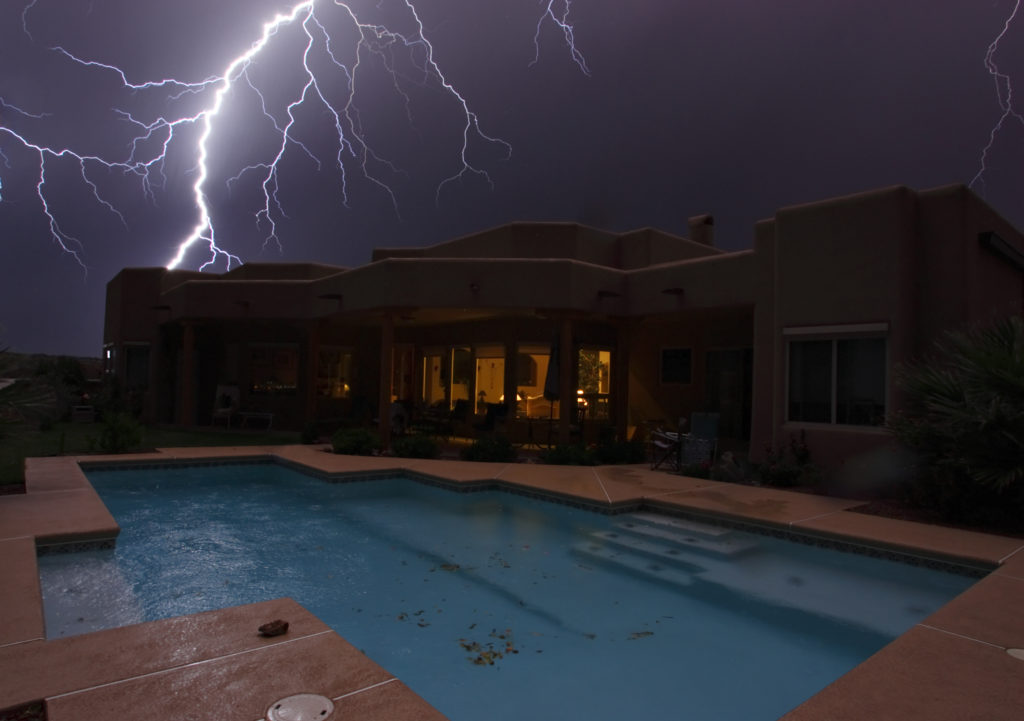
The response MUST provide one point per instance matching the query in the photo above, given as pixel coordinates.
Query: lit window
(273, 369)
(593, 372)
(334, 373)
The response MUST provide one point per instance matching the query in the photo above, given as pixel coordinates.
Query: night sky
(733, 107)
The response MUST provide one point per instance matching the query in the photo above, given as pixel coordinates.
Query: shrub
(490, 449)
(120, 432)
(965, 419)
(785, 467)
(415, 447)
(310, 433)
(355, 442)
(575, 454)
(696, 470)
(612, 452)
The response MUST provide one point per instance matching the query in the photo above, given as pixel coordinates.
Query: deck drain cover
(1016, 653)
(301, 707)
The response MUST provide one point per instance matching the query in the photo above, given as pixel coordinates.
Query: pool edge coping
(676, 505)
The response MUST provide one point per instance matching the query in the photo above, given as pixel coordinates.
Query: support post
(387, 361)
(567, 400)
(188, 376)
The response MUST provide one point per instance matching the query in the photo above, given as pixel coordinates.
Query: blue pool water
(491, 605)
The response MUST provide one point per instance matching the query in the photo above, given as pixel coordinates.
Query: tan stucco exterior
(892, 264)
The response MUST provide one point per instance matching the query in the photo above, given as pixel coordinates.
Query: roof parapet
(702, 229)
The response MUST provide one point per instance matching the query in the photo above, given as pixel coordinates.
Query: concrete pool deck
(213, 665)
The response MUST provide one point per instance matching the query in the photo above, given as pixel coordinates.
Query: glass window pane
(490, 382)
(860, 381)
(593, 372)
(462, 372)
(810, 381)
(273, 369)
(434, 382)
(334, 373)
(531, 370)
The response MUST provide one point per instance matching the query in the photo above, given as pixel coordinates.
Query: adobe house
(802, 332)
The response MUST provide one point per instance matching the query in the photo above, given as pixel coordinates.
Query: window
(472, 374)
(490, 375)
(273, 369)
(841, 380)
(676, 365)
(334, 373)
(531, 371)
(593, 373)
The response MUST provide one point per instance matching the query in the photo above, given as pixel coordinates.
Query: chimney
(702, 229)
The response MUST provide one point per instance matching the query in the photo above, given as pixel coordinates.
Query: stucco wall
(700, 331)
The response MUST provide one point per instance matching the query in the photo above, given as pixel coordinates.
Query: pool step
(682, 535)
(668, 550)
(670, 572)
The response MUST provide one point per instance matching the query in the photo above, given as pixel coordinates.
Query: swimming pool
(493, 604)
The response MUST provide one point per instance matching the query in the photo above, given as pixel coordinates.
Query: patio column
(188, 376)
(509, 387)
(387, 361)
(567, 397)
(620, 380)
(312, 368)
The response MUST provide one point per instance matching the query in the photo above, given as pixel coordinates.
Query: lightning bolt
(561, 22)
(1004, 94)
(152, 138)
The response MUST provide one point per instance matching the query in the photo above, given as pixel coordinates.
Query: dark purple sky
(734, 107)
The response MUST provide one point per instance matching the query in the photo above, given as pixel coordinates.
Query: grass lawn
(19, 441)
(25, 434)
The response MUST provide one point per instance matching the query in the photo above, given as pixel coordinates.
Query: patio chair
(494, 419)
(226, 405)
(663, 446)
(700, 445)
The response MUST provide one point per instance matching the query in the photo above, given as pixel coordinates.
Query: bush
(310, 433)
(490, 449)
(120, 432)
(786, 467)
(611, 452)
(575, 454)
(355, 442)
(415, 447)
(696, 470)
(965, 419)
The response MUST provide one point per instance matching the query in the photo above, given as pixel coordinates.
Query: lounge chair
(226, 405)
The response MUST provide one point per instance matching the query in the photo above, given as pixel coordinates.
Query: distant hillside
(26, 365)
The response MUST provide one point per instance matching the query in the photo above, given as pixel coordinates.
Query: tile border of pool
(952, 665)
(950, 565)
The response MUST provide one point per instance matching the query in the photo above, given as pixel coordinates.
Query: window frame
(835, 334)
